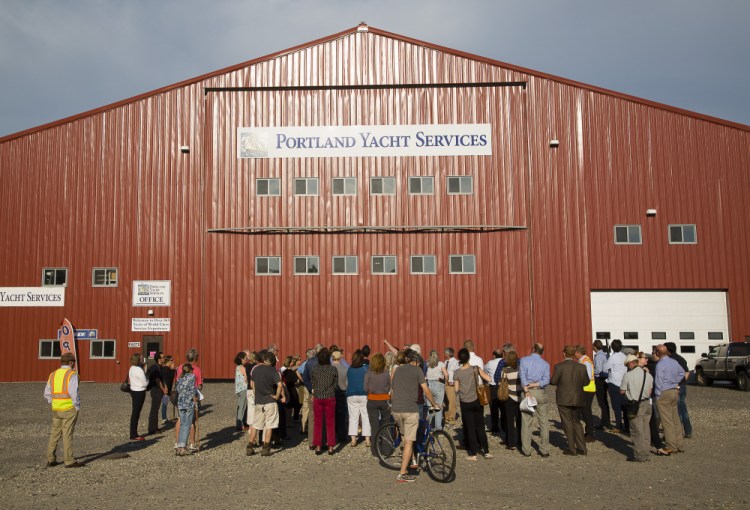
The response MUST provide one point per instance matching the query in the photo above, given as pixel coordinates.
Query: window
(49, 349)
(630, 335)
(687, 335)
(627, 234)
(682, 234)
(423, 264)
(306, 186)
(307, 265)
(382, 186)
(344, 185)
(463, 185)
(269, 266)
(102, 349)
(658, 335)
(462, 264)
(55, 277)
(603, 335)
(687, 349)
(267, 187)
(422, 185)
(715, 335)
(104, 277)
(384, 264)
(345, 265)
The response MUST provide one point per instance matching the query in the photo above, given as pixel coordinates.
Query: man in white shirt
(616, 368)
(490, 368)
(451, 365)
(474, 360)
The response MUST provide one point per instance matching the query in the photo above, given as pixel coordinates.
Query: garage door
(693, 320)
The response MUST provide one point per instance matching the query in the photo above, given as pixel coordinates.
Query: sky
(59, 58)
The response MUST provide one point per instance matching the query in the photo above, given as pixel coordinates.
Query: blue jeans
(164, 404)
(621, 419)
(438, 392)
(186, 420)
(683, 411)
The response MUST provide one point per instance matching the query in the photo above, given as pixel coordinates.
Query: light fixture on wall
(554, 143)
(150, 313)
(650, 212)
(184, 149)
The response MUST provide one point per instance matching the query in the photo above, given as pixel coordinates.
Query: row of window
(347, 186)
(379, 265)
(98, 349)
(100, 277)
(678, 234)
(660, 335)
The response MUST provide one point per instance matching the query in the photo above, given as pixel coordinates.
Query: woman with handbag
(466, 382)
(138, 385)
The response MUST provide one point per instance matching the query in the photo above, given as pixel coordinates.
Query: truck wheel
(743, 381)
(701, 379)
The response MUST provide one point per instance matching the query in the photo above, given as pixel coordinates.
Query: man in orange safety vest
(62, 392)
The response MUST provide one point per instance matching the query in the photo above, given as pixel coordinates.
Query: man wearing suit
(570, 377)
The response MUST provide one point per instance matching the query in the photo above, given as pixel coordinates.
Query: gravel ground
(712, 472)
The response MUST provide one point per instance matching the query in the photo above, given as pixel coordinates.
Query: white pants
(358, 409)
(250, 407)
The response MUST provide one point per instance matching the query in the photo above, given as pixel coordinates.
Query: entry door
(693, 320)
(151, 345)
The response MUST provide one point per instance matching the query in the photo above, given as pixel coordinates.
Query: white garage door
(642, 319)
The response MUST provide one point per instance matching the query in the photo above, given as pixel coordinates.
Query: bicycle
(435, 448)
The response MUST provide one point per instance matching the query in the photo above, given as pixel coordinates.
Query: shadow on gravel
(118, 452)
(220, 437)
(619, 443)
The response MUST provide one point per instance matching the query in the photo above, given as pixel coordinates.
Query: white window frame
(107, 275)
(383, 179)
(422, 179)
(268, 181)
(384, 257)
(268, 258)
(463, 256)
(102, 341)
(462, 180)
(346, 258)
(629, 230)
(45, 269)
(682, 233)
(423, 257)
(348, 182)
(53, 343)
(307, 259)
(307, 181)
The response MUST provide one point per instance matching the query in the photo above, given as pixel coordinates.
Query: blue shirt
(669, 375)
(307, 374)
(533, 369)
(355, 381)
(499, 371)
(600, 358)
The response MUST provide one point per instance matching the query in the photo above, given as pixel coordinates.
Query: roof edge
(384, 33)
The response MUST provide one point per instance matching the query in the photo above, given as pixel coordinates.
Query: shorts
(408, 423)
(266, 416)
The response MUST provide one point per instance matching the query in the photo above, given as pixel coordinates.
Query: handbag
(503, 392)
(125, 386)
(632, 406)
(483, 391)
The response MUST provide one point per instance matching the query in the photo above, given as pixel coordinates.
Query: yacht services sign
(32, 296)
(346, 141)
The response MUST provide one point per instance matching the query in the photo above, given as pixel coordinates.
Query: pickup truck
(725, 362)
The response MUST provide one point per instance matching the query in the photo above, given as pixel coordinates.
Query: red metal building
(590, 209)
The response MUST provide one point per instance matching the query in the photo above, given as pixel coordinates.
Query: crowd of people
(333, 401)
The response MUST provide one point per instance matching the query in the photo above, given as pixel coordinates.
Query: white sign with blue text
(346, 141)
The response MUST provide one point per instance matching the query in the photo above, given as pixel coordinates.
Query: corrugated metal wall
(137, 203)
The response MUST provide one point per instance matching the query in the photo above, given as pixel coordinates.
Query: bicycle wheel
(441, 457)
(388, 446)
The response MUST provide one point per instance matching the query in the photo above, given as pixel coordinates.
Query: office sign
(32, 296)
(152, 292)
(346, 141)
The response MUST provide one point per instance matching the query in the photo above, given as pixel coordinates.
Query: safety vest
(591, 386)
(58, 381)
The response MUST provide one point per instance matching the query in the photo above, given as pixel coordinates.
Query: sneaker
(265, 451)
(249, 450)
(488, 456)
(405, 478)
(193, 448)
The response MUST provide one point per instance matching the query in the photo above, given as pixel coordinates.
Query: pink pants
(324, 409)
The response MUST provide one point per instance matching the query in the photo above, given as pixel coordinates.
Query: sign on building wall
(143, 325)
(32, 296)
(82, 334)
(339, 141)
(152, 292)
